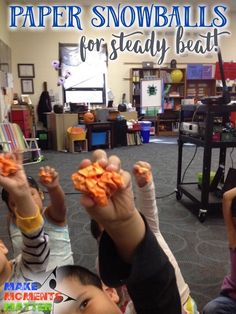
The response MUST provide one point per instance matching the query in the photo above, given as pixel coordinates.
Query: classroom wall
(5, 93)
(41, 47)
(4, 32)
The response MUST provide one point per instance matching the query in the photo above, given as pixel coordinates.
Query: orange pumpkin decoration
(88, 117)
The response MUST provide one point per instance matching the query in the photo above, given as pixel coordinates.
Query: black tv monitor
(77, 108)
(85, 95)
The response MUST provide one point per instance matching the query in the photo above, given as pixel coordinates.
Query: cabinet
(168, 123)
(174, 89)
(210, 118)
(57, 128)
(100, 135)
(22, 115)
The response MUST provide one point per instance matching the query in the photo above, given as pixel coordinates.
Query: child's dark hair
(95, 229)
(82, 274)
(32, 183)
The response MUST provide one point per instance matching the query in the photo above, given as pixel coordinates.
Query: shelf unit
(173, 94)
(232, 92)
(199, 81)
(204, 198)
(198, 88)
(168, 123)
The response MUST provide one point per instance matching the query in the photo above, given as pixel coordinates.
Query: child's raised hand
(48, 177)
(121, 204)
(142, 173)
(14, 181)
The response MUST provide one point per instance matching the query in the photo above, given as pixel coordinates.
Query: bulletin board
(229, 71)
(199, 71)
(152, 96)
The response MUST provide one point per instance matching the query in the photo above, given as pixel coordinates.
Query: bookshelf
(198, 88)
(200, 81)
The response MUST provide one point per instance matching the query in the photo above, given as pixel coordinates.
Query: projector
(189, 128)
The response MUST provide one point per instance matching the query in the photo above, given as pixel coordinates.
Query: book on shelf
(168, 104)
(174, 94)
(146, 74)
(165, 76)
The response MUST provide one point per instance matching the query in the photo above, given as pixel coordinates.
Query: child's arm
(35, 249)
(230, 280)
(128, 252)
(123, 223)
(146, 194)
(56, 211)
(18, 188)
(227, 212)
(148, 207)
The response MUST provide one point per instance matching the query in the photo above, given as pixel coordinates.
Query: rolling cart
(201, 134)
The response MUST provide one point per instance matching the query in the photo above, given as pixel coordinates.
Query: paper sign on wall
(152, 94)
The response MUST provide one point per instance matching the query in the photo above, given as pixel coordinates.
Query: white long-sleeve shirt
(148, 207)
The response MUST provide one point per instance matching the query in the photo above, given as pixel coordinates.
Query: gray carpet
(201, 249)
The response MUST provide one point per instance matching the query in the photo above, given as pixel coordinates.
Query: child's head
(89, 294)
(35, 191)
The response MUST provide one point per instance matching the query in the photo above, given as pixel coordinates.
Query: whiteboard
(152, 94)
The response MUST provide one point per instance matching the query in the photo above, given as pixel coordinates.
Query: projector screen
(85, 95)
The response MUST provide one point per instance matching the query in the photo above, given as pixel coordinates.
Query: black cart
(204, 121)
